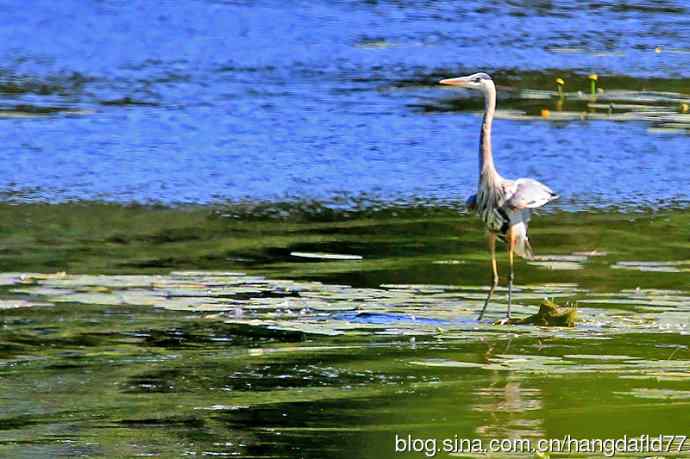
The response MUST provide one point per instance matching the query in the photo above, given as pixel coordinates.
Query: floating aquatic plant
(560, 83)
(446, 311)
(656, 266)
(593, 84)
(325, 256)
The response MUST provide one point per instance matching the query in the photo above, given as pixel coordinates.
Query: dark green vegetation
(247, 367)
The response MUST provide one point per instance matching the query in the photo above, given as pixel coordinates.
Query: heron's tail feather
(523, 248)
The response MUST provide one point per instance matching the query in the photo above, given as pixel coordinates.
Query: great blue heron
(503, 205)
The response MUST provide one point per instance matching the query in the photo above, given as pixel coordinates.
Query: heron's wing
(529, 194)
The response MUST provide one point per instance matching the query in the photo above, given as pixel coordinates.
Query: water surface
(167, 349)
(205, 101)
(236, 228)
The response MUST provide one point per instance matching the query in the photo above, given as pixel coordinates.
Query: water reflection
(507, 409)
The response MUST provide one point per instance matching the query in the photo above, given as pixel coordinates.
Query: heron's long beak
(459, 81)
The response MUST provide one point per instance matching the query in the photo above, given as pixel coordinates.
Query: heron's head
(478, 81)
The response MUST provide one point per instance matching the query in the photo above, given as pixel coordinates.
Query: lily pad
(14, 304)
(558, 265)
(661, 394)
(325, 256)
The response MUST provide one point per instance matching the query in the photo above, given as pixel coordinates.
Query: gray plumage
(505, 206)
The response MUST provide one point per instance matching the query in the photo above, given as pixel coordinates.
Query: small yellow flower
(545, 113)
(560, 81)
(684, 108)
(593, 77)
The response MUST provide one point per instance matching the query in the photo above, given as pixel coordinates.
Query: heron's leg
(511, 249)
(494, 279)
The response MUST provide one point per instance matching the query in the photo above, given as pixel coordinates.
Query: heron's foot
(507, 320)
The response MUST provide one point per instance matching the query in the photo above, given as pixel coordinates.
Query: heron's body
(505, 206)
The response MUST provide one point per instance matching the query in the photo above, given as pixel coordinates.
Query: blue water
(208, 101)
(389, 318)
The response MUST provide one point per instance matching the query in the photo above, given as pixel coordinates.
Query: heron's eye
(477, 80)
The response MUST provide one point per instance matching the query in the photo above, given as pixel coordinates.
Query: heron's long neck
(486, 158)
